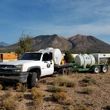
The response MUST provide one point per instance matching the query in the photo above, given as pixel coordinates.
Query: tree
(24, 44)
(68, 57)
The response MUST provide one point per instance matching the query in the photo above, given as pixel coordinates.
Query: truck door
(48, 65)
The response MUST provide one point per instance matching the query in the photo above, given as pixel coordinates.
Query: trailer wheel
(97, 69)
(104, 68)
(32, 79)
(64, 71)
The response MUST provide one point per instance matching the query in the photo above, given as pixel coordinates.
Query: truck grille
(7, 68)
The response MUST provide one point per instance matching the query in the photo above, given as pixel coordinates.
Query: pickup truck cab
(29, 68)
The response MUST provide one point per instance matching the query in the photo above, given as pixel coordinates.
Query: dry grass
(9, 102)
(61, 97)
(19, 96)
(1, 87)
(86, 90)
(87, 81)
(20, 87)
(37, 97)
(64, 81)
(55, 89)
(80, 107)
(58, 107)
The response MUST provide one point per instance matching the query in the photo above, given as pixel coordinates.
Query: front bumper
(18, 76)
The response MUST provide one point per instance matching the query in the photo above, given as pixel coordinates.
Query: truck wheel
(32, 79)
(104, 68)
(97, 69)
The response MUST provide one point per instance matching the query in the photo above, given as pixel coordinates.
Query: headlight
(18, 68)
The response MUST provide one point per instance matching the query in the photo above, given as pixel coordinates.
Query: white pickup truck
(31, 66)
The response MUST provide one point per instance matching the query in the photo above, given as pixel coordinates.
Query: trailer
(97, 63)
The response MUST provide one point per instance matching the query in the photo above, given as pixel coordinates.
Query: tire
(97, 69)
(64, 71)
(32, 79)
(104, 68)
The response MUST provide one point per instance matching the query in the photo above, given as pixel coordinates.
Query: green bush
(68, 57)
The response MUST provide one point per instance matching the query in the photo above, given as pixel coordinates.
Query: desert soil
(85, 95)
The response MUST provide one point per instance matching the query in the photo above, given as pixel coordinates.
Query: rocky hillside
(77, 43)
(44, 41)
(82, 43)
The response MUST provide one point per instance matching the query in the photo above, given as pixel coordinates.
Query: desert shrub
(1, 87)
(20, 87)
(8, 94)
(58, 107)
(19, 96)
(61, 97)
(55, 89)
(88, 81)
(64, 81)
(9, 103)
(107, 107)
(87, 90)
(37, 97)
(80, 107)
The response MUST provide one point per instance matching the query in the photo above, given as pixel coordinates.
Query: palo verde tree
(24, 44)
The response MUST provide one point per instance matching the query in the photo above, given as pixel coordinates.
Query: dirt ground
(90, 92)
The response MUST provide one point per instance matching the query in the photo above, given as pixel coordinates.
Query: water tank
(56, 54)
(84, 60)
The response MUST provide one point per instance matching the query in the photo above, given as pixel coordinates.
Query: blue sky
(62, 17)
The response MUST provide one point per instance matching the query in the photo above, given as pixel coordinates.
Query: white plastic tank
(84, 60)
(56, 54)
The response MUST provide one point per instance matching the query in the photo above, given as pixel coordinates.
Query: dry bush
(1, 87)
(19, 96)
(20, 87)
(9, 103)
(61, 97)
(37, 97)
(107, 107)
(55, 89)
(9, 93)
(58, 107)
(80, 107)
(64, 81)
(87, 90)
(87, 81)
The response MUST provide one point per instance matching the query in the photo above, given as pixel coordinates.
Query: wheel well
(37, 70)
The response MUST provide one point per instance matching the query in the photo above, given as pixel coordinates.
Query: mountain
(77, 44)
(88, 44)
(2, 44)
(55, 41)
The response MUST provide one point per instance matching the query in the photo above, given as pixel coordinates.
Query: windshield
(31, 56)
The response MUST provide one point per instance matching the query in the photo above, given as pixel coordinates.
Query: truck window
(47, 57)
(31, 56)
